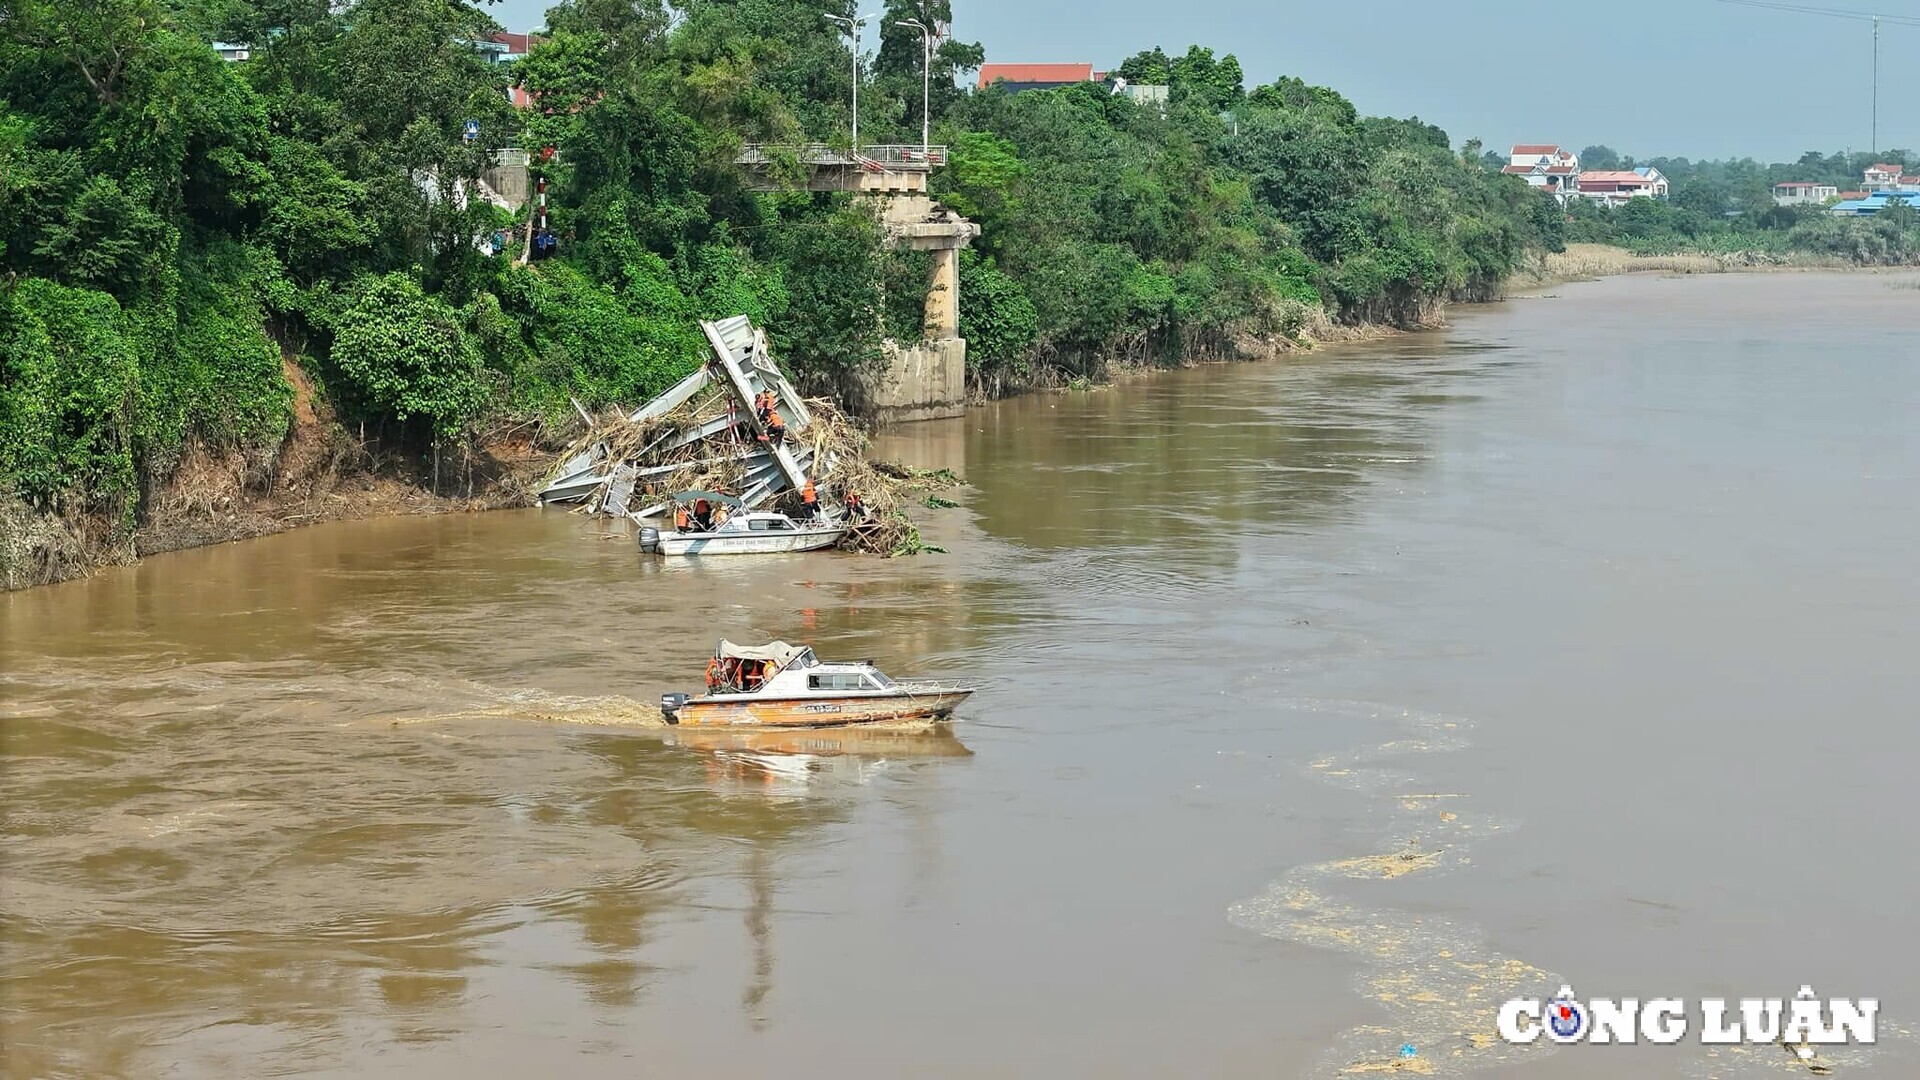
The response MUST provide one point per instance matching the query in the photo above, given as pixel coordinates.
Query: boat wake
(1437, 977)
(542, 708)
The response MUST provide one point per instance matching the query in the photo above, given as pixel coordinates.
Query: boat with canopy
(782, 685)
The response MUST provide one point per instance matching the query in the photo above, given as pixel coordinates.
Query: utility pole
(853, 27)
(1876, 18)
(926, 76)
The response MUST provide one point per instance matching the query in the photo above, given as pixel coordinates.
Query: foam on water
(1438, 978)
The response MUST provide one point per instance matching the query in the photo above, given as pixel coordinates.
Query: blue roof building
(1875, 203)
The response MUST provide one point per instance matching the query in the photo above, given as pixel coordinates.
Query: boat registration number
(819, 708)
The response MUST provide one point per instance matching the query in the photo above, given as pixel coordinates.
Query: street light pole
(926, 76)
(853, 27)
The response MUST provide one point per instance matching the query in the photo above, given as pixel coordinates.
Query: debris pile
(738, 427)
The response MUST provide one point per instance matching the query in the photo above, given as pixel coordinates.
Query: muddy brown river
(1327, 704)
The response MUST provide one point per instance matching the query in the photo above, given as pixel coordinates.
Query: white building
(1801, 192)
(1883, 177)
(1544, 165)
(1613, 187)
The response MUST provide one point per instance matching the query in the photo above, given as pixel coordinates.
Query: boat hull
(755, 543)
(864, 741)
(819, 711)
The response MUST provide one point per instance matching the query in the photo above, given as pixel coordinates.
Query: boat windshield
(805, 659)
(885, 683)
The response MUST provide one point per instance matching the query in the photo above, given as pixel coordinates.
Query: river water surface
(1327, 703)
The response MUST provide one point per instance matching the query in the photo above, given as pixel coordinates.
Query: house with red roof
(1544, 165)
(1611, 187)
(1884, 177)
(504, 47)
(1017, 77)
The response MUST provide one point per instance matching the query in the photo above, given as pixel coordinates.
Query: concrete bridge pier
(929, 379)
(943, 294)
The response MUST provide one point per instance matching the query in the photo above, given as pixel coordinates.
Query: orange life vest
(680, 518)
(808, 495)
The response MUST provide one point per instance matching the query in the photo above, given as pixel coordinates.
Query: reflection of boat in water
(783, 764)
(782, 685)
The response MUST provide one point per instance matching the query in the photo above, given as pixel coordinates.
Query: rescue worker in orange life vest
(810, 500)
(776, 428)
(680, 517)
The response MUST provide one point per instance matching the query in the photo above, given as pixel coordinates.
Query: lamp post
(926, 76)
(853, 27)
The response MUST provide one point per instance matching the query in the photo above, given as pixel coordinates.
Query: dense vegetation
(181, 236)
(1722, 207)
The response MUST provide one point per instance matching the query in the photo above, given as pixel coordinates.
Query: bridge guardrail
(885, 156)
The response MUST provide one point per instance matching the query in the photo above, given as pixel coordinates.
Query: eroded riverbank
(323, 474)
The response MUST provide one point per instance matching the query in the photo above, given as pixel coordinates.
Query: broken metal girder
(681, 393)
(741, 364)
(730, 366)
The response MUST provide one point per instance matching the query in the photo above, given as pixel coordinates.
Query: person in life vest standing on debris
(776, 428)
(763, 405)
(810, 500)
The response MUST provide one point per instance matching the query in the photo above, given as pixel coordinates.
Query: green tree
(406, 353)
(997, 320)
(1150, 68)
(69, 373)
(1205, 83)
(897, 65)
(981, 173)
(833, 275)
(99, 39)
(1600, 158)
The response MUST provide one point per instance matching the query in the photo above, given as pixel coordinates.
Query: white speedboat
(778, 685)
(746, 532)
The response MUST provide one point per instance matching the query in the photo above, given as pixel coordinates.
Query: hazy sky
(1694, 78)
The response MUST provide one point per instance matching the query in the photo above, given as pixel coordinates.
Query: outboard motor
(670, 706)
(649, 539)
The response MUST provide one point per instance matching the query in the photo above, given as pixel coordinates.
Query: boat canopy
(779, 652)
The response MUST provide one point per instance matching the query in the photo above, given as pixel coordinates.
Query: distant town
(1547, 166)
(1557, 171)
